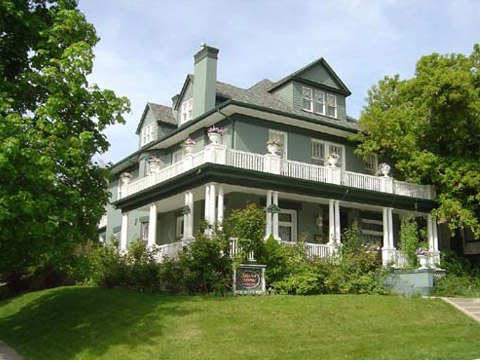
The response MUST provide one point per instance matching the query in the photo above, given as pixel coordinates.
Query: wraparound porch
(171, 223)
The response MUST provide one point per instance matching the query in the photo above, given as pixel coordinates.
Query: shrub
(204, 267)
(248, 226)
(409, 240)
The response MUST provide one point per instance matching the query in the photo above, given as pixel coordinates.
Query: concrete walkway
(7, 353)
(469, 306)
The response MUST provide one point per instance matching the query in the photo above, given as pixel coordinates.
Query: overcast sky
(147, 47)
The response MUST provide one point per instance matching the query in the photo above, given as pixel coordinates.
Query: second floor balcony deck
(274, 164)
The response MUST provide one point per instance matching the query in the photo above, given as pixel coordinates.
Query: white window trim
(334, 106)
(186, 111)
(292, 224)
(147, 134)
(325, 103)
(327, 145)
(179, 227)
(144, 231)
(285, 144)
(374, 160)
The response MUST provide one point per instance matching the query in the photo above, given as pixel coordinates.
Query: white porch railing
(168, 250)
(269, 163)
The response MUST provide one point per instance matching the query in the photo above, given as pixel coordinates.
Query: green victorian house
(283, 145)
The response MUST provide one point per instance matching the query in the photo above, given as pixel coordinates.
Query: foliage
(409, 240)
(426, 125)
(248, 226)
(137, 270)
(203, 267)
(356, 271)
(51, 124)
(461, 279)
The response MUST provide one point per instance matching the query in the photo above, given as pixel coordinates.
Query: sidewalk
(7, 353)
(469, 306)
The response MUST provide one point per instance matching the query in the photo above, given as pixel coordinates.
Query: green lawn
(88, 323)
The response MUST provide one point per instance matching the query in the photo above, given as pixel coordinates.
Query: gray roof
(163, 113)
(259, 95)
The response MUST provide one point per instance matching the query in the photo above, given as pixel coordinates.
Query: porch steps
(469, 306)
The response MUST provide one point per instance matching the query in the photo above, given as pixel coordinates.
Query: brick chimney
(205, 80)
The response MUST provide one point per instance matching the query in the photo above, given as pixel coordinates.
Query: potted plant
(423, 254)
(188, 145)
(384, 169)
(273, 146)
(215, 134)
(333, 159)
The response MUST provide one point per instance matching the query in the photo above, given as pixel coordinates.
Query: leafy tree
(51, 121)
(429, 127)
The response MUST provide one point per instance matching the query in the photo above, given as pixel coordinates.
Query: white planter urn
(385, 170)
(215, 137)
(423, 260)
(273, 148)
(332, 161)
(188, 149)
(125, 178)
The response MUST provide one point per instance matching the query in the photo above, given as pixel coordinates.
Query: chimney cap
(206, 51)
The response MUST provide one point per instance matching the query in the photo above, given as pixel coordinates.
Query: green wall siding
(320, 75)
(285, 93)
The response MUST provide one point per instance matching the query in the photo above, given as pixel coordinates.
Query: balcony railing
(272, 163)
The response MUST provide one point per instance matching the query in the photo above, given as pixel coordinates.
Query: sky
(147, 47)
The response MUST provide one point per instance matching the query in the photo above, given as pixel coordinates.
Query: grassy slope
(88, 323)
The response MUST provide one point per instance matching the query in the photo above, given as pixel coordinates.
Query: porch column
(432, 235)
(388, 248)
(338, 232)
(268, 214)
(220, 204)
(331, 222)
(212, 202)
(275, 217)
(190, 218)
(152, 225)
(124, 233)
(207, 203)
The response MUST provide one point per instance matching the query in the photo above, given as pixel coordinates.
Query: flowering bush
(423, 251)
(188, 142)
(215, 130)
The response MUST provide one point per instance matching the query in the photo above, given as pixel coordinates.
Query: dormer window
(314, 102)
(186, 111)
(148, 134)
(331, 105)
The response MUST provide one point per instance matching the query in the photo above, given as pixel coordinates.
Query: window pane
(285, 233)
(307, 99)
(285, 217)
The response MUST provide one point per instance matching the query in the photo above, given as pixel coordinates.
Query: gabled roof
(322, 62)
(163, 114)
(188, 79)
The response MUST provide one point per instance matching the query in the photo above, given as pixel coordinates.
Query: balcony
(271, 163)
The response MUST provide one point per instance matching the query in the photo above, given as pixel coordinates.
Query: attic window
(186, 111)
(147, 134)
(314, 101)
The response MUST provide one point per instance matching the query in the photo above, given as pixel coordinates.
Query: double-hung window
(281, 137)
(186, 111)
(319, 102)
(147, 134)
(331, 105)
(371, 164)
(287, 225)
(307, 103)
(320, 150)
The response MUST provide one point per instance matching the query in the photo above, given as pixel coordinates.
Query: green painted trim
(319, 86)
(261, 180)
(274, 209)
(186, 210)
